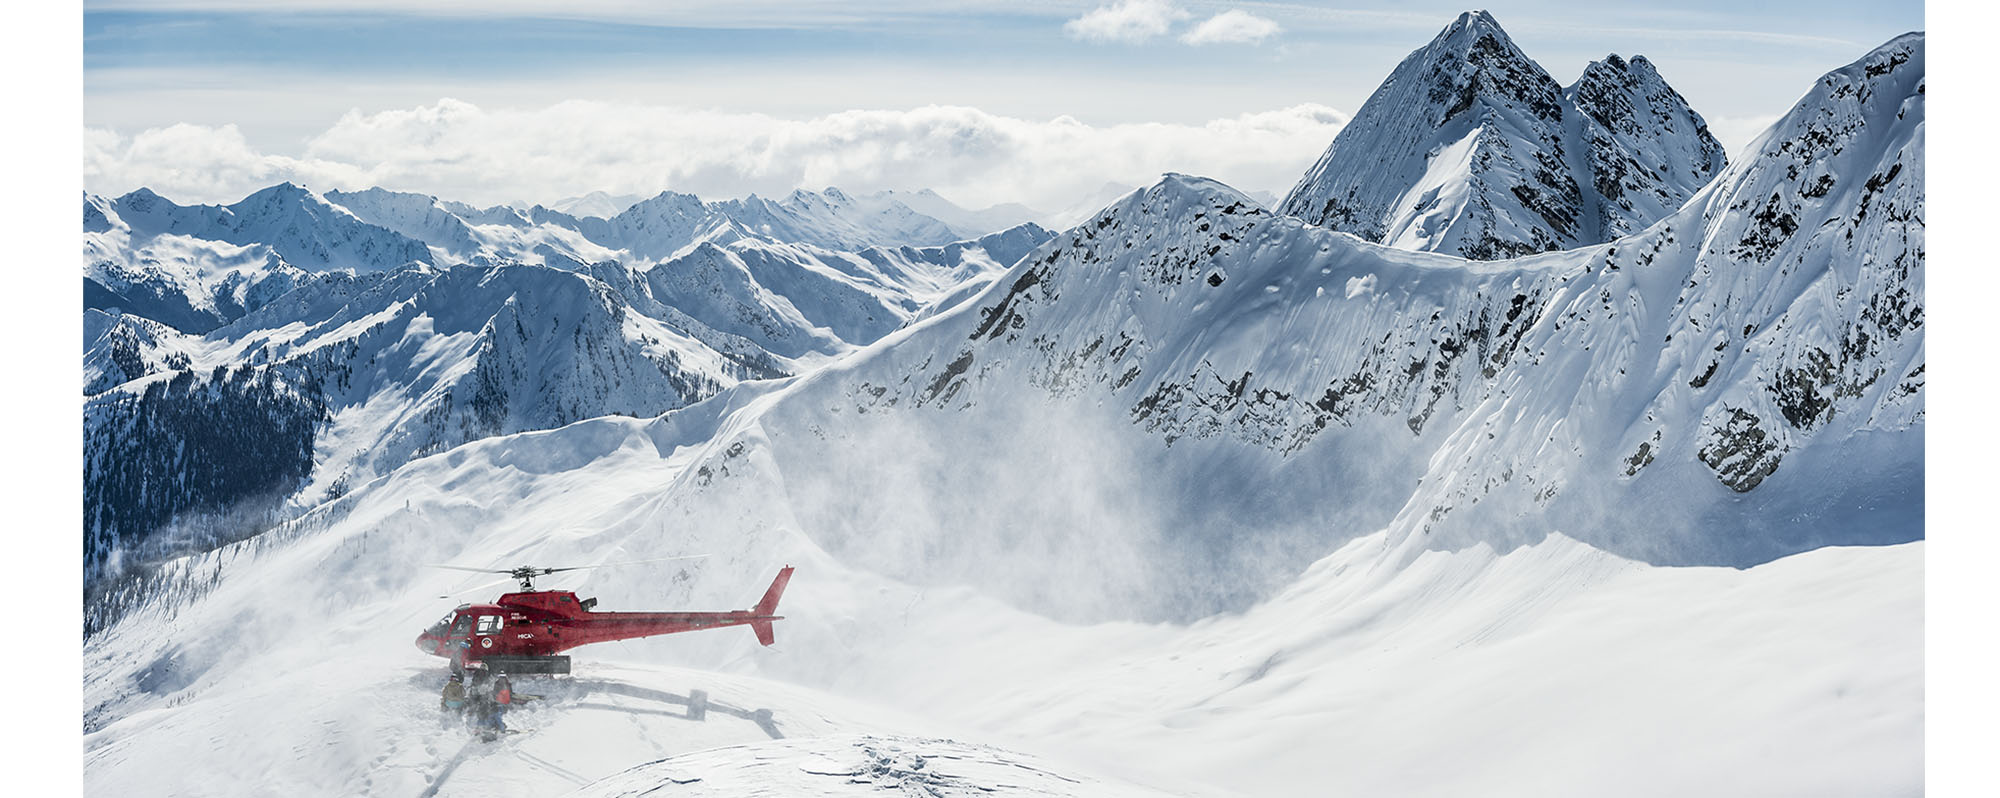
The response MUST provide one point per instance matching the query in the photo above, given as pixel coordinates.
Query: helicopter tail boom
(767, 608)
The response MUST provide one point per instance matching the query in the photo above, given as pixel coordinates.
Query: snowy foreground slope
(1194, 499)
(1457, 673)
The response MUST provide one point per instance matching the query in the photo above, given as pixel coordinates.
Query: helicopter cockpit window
(488, 624)
(464, 625)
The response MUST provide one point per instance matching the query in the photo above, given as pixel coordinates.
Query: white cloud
(1232, 27)
(1125, 21)
(196, 160)
(460, 151)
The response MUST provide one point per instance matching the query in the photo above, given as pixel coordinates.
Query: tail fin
(769, 605)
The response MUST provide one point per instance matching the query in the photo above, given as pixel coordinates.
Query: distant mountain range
(419, 324)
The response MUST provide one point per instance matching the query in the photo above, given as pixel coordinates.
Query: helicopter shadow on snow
(575, 693)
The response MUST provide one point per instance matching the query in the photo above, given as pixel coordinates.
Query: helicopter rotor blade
(481, 586)
(529, 571)
(627, 562)
(474, 570)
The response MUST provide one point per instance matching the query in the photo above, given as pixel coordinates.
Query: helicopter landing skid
(520, 664)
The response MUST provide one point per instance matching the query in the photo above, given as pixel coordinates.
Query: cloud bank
(456, 150)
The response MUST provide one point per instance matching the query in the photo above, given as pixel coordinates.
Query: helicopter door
(463, 627)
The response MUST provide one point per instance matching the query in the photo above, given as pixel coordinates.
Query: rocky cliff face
(1741, 380)
(1645, 151)
(1471, 149)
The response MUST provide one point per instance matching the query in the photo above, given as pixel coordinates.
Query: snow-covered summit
(837, 220)
(967, 222)
(300, 225)
(192, 283)
(600, 204)
(1647, 151)
(1471, 148)
(417, 216)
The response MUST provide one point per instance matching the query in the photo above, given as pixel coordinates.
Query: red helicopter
(523, 632)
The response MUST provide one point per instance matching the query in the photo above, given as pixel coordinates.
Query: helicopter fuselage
(544, 623)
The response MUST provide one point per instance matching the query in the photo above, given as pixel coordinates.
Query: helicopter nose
(427, 644)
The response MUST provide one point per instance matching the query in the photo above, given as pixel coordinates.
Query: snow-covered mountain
(584, 338)
(199, 267)
(120, 347)
(1470, 148)
(596, 203)
(300, 225)
(1186, 368)
(966, 222)
(1179, 501)
(349, 377)
(189, 283)
(835, 220)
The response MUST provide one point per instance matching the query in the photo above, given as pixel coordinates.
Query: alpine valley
(1528, 446)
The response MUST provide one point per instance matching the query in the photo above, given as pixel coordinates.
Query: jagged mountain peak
(286, 197)
(378, 193)
(140, 196)
(1472, 149)
(1645, 150)
(1465, 31)
(285, 188)
(1176, 193)
(600, 204)
(666, 199)
(1472, 60)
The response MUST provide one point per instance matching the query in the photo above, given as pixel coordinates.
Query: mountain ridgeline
(422, 325)
(1160, 413)
(1223, 393)
(1471, 149)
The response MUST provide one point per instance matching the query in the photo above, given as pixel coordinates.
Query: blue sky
(275, 78)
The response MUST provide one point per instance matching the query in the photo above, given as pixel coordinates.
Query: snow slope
(1198, 498)
(118, 347)
(1446, 675)
(188, 283)
(856, 765)
(1470, 148)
